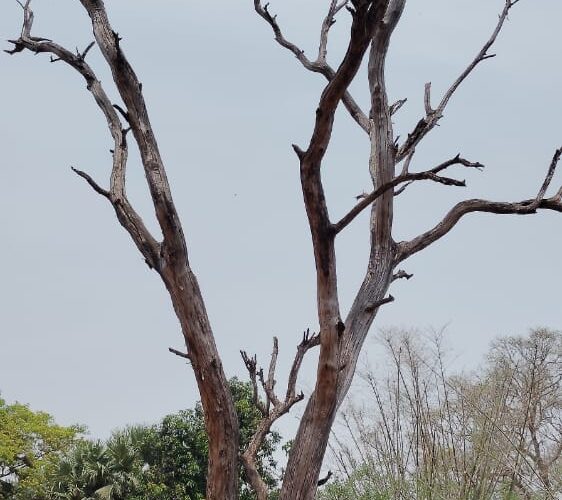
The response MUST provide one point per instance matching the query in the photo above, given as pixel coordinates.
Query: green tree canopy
(165, 461)
(30, 443)
(175, 451)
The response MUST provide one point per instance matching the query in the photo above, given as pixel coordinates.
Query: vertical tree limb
(168, 258)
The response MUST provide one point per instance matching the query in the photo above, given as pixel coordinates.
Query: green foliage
(177, 463)
(30, 446)
(105, 471)
(166, 461)
(359, 486)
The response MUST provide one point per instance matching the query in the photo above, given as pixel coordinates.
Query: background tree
(529, 371)
(340, 341)
(31, 443)
(427, 431)
(176, 451)
(167, 460)
(96, 470)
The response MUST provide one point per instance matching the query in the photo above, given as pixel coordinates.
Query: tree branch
(397, 105)
(126, 215)
(366, 17)
(401, 274)
(270, 384)
(273, 409)
(408, 248)
(382, 160)
(407, 177)
(173, 248)
(170, 258)
(95, 186)
(184, 355)
(325, 479)
(432, 116)
(328, 22)
(251, 366)
(308, 342)
(375, 305)
(320, 65)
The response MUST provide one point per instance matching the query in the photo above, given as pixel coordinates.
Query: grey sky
(85, 325)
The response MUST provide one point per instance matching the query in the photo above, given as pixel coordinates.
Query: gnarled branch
(320, 65)
(407, 178)
(274, 408)
(173, 246)
(169, 258)
(432, 116)
(126, 215)
(408, 248)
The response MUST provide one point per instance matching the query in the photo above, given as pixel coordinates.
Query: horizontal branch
(401, 274)
(374, 306)
(179, 353)
(407, 177)
(530, 206)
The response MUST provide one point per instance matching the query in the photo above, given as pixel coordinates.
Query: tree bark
(373, 22)
(221, 421)
(306, 456)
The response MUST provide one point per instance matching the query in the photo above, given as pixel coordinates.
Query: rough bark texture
(340, 346)
(307, 453)
(220, 417)
(340, 343)
(221, 421)
(169, 257)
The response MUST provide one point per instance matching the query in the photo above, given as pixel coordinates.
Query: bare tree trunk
(373, 22)
(307, 453)
(221, 421)
(168, 257)
(345, 342)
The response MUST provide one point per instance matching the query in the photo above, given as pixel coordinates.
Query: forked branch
(251, 366)
(328, 22)
(173, 248)
(127, 216)
(408, 248)
(432, 116)
(407, 178)
(273, 408)
(168, 258)
(320, 65)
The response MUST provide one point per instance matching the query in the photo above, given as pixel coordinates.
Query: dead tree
(168, 257)
(340, 340)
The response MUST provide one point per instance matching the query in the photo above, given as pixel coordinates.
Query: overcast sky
(85, 325)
